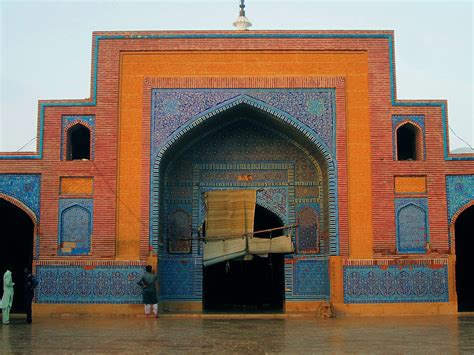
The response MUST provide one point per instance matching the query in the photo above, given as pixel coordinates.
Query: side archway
(18, 234)
(463, 227)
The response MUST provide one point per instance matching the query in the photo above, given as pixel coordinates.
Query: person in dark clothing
(29, 285)
(148, 284)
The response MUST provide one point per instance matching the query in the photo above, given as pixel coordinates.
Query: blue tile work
(310, 279)
(320, 154)
(75, 225)
(391, 284)
(307, 218)
(67, 121)
(460, 192)
(24, 188)
(179, 227)
(412, 227)
(173, 108)
(179, 279)
(76, 284)
(240, 154)
(237, 156)
(396, 120)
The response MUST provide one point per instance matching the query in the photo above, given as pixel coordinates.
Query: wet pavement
(257, 334)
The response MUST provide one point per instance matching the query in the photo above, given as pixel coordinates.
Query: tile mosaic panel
(24, 188)
(75, 226)
(173, 108)
(177, 278)
(76, 284)
(179, 229)
(310, 279)
(412, 229)
(391, 284)
(307, 219)
(460, 192)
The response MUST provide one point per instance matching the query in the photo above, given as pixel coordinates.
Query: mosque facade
(378, 209)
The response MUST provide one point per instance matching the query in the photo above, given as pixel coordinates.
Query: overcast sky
(46, 46)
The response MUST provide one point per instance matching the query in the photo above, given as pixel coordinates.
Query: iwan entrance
(242, 149)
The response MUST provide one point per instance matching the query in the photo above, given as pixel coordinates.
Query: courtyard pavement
(256, 334)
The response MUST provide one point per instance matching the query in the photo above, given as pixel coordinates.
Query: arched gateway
(18, 229)
(244, 143)
(464, 243)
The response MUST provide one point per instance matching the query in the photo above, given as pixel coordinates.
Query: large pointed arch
(21, 206)
(19, 240)
(306, 137)
(462, 244)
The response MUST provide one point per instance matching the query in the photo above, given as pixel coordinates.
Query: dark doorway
(464, 238)
(248, 286)
(406, 142)
(17, 247)
(79, 141)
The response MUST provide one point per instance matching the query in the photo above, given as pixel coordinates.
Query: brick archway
(19, 229)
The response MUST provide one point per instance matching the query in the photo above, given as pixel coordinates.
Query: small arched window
(409, 142)
(78, 143)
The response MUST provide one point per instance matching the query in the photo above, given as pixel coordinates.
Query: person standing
(7, 299)
(148, 284)
(29, 286)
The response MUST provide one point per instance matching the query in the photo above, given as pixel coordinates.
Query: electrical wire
(23, 146)
(118, 197)
(452, 131)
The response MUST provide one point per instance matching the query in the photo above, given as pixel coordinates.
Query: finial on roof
(242, 23)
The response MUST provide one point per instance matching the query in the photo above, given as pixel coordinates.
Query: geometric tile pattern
(412, 228)
(460, 192)
(177, 278)
(310, 279)
(179, 228)
(75, 226)
(172, 108)
(76, 284)
(23, 187)
(390, 284)
(307, 219)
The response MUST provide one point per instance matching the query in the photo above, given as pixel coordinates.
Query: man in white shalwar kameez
(7, 298)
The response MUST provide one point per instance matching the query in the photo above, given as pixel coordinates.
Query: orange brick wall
(410, 184)
(76, 186)
(135, 67)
